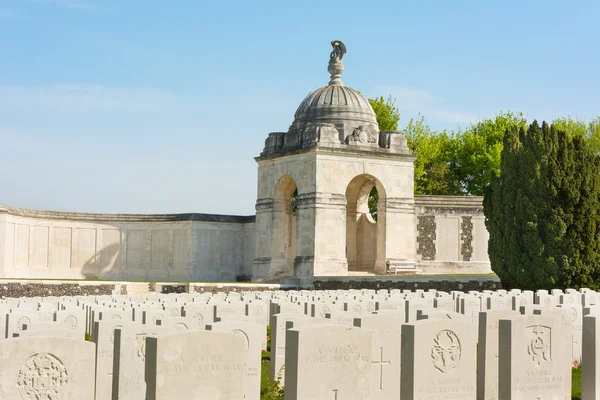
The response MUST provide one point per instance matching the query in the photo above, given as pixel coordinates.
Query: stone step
(138, 288)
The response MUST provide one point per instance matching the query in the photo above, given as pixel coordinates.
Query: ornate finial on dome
(336, 66)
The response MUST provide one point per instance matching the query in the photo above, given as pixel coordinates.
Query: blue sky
(160, 106)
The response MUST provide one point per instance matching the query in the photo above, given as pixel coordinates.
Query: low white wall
(47, 244)
(451, 235)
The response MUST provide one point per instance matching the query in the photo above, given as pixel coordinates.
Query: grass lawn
(576, 387)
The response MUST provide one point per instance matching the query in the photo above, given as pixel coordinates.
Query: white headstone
(195, 365)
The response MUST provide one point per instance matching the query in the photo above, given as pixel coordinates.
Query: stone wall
(174, 247)
(451, 235)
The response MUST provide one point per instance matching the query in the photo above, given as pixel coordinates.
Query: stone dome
(334, 104)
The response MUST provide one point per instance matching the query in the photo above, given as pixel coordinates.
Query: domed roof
(335, 103)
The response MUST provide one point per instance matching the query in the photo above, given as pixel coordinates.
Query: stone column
(305, 236)
(321, 235)
(280, 239)
(262, 239)
(400, 232)
(351, 234)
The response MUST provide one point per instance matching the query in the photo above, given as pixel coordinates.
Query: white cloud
(84, 98)
(412, 101)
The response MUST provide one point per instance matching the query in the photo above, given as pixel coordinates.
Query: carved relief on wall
(362, 136)
(41, 378)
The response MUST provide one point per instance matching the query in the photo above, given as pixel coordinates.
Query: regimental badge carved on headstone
(140, 341)
(242, 334)
(199, 316)
(22, 321)
(181, 327)
(446, 351)
(112, 335)
(357, 308)
(257, 311)
(71, 321)
(539, 346)
(324, 310)
(41, 378)
(547, 302)
(370, 306)
(116, 316)
(158, 317)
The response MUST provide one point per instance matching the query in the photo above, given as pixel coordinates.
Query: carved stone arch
(365, 237)
(283, 250)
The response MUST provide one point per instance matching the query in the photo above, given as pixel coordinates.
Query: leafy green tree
(590, 131)
(542, 211)
(373, 199)
(593, 135)
(435, 152)
(478, 150)
(386, 113)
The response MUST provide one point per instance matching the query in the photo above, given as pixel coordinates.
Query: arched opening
(365, 224)
(284, 227)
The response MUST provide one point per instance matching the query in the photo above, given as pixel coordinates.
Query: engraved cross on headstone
(381, 362)
(473, 318)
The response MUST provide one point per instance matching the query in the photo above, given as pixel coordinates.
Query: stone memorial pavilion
(312, 215)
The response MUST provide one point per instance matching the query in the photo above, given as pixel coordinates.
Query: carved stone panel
(466, 237)
(426, 237)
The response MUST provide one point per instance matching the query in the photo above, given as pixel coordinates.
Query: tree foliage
(434, 151)
(386, 113)
(476, 156)
(542, 211)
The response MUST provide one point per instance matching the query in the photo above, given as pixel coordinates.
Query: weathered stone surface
(487, 352)
(46, 368)
(104, 338)
(327, 362)
(129, 358)
(385, 354)
(438, 359)
(253, 335)
(533, 353)
(198, 365)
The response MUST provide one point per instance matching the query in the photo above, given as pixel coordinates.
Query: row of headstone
(118, 329)
(346, 344)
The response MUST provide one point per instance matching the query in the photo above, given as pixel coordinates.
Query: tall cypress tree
(542, 212)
